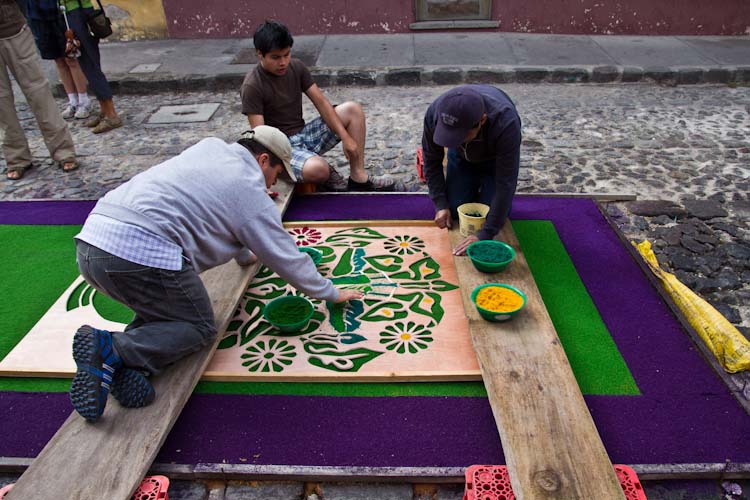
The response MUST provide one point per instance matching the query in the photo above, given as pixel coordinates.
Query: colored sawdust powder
(288, 313)
(490, 253)
(498, 299)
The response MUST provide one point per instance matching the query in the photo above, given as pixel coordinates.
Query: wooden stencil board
(410, 326)
(551, 445)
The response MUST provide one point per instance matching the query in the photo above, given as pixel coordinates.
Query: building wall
(239, 18)
(136, 19)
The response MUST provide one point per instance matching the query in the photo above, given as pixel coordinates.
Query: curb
(419, 76)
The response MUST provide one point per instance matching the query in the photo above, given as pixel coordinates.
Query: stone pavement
(435, 58)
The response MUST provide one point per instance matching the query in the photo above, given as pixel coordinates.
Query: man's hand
(443, 218)
(464, 244)
(345, 295)
(351, 150)
(246, 258)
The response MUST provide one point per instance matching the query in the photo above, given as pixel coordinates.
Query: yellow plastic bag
(725, 341)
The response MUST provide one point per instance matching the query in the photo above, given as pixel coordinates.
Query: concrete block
(605, 74)
(531, 75)
(631, 74)
(719, 75)
(689, 76)
(323, 78)
(742, 74)
(263, 490)
(659, 74)
(187, 490)
(356, 77)
(362, 491)
(447, 76)
(490, 75)
(569, 75)
(404, 76)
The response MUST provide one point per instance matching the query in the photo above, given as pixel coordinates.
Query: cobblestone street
(673, 144)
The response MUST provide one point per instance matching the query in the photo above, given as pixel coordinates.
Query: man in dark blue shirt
(481, 129)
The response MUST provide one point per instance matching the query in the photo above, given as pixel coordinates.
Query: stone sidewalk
(434, 58)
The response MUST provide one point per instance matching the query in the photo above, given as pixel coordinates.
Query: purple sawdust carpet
(683, 415)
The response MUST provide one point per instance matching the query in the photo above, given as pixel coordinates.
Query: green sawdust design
(379, 276)
(593, 355)
(49, 268)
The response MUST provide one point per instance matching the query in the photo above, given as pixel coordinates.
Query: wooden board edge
(385, 377)
(361, 223)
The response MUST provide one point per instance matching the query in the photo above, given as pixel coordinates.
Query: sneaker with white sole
(82, 112)
(69, 112)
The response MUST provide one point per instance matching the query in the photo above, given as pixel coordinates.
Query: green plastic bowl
(315, 254)
(489, 267)
(492, 315)
(287, 324)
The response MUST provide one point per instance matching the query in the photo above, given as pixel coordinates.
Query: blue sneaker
(132, 389)
(96, 363)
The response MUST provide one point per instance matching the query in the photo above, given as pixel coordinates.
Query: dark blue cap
(458, 111)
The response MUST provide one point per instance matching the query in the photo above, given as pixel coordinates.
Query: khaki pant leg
(27, 69)
(15, 147)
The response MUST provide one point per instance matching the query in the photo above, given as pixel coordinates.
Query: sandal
(106, 124)
(93, 122)
(16, 173)
(69, 165)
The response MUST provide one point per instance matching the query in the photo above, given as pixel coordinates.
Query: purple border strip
(702, 424)
(34, 213)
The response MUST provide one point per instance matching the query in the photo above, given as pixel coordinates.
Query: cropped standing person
(48, 26)
(481, 129)
(19, 56)
(90, 61)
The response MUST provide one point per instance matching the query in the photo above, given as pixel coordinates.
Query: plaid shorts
(315, 139)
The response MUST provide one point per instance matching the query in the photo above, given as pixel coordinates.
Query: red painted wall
(239, 18)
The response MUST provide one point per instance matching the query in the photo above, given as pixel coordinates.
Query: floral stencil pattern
(404, 244)
(305, 236)
(400, 312)
(403, 337)
(273, 355)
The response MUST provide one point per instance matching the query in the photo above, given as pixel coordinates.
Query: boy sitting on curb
(272, 95)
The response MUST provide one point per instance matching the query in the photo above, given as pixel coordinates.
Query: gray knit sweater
(211, 200)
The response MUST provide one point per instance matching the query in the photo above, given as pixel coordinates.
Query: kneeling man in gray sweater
(145, 243)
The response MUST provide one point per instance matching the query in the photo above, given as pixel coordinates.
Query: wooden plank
(109, 459)
(551, 446)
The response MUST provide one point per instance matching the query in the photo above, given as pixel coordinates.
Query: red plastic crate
(492, 482)
(5, 489)
(420, 165)
(152, 488)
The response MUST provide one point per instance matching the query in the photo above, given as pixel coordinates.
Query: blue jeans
(173, 313)
(90, 59)
(468, 182)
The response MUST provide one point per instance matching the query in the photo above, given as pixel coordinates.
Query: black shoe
(377, 184)
(335, 182)
(132, 389)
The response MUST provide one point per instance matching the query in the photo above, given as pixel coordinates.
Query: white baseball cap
(276, 142)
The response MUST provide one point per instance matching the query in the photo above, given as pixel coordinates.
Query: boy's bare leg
(353, 117)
